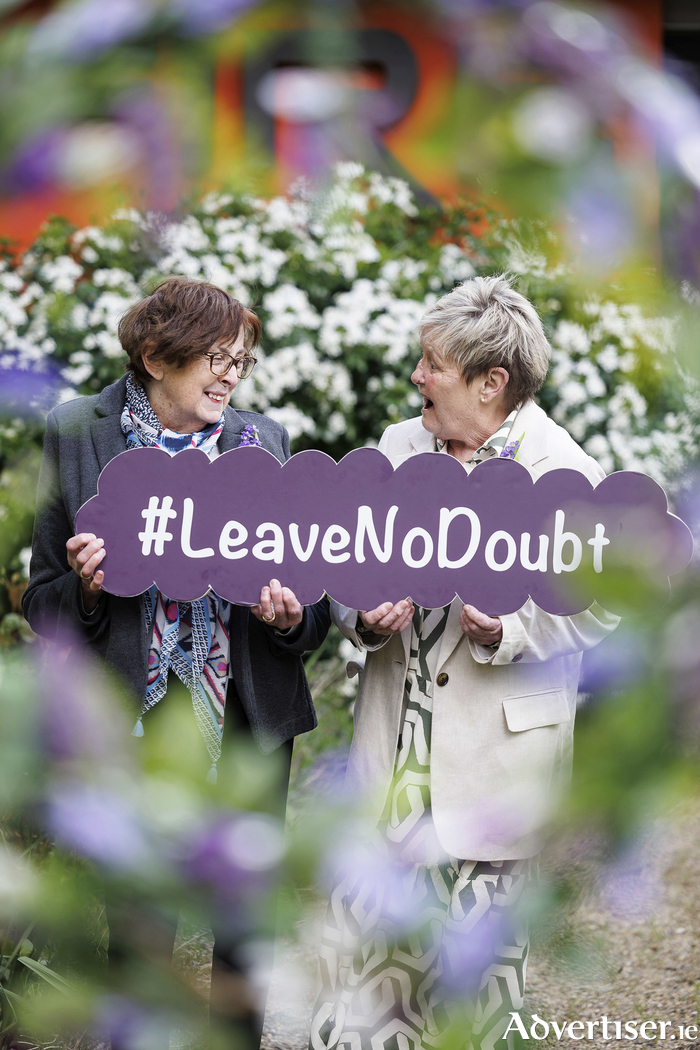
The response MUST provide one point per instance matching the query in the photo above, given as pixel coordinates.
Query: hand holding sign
(368, 534)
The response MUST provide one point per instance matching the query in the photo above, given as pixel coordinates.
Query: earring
(483, 399)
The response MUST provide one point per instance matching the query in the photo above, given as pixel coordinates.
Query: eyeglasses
(221, 364)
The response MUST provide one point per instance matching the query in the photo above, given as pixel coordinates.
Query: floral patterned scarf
(191, 638)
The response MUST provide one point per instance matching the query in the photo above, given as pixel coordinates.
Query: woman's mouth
(216, 398)
(427, 403)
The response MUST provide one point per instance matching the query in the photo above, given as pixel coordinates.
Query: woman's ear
(496, 380)
(154, 367)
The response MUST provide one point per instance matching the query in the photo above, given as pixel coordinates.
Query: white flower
(187, 235)
(347, 170)
(293, 419)
(25, 556)
(213, 202)
(571, 337)
(454, 264)
(608, 358)
(115, 278)
(289, 308)
(61, 273)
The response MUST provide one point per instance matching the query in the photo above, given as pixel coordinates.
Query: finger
(373, 616)
(293, 610)
(256, 611)
(80, 562)
(487, 623)
(404, 622)
(97, 581)
(78, 541)
(276, 595)
(394, 620)
(266, 606)
(91, 565)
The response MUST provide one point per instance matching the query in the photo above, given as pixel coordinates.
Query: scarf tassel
(138, 728)
(212, 774)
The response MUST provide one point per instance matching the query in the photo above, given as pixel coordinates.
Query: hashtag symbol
(155, 531)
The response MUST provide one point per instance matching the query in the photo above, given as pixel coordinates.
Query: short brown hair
(485, 323)
(181, 319)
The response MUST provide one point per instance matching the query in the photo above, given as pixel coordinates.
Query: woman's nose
(417, 376)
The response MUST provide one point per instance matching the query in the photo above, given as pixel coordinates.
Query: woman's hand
(486, 630)
(388, 618)
(85, 552)
(278, 607)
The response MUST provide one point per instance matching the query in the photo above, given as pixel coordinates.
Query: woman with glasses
(188, 345)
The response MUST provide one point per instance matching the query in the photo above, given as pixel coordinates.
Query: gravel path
(625, 945)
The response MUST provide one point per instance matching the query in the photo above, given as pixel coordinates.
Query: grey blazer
(82, 436)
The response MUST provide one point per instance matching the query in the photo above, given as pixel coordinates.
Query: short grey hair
(484, 323)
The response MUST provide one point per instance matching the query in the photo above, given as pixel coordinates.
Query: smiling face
(451, 408)
(191, 398)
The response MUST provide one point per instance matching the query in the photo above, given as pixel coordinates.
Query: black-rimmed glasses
(221, 364)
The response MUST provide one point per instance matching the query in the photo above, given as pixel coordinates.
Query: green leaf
(12, 995)
(50, 976)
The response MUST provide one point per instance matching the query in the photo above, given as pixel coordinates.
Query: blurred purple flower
(600, 225)
(632, 884)
(391, 884)
(614, 663)
(35, 163)
(28, 386)
(327, 777)
(82, 31)
(129, 1024)
(467, 951)
(149, 122)
(97, 824)
(80, 718)
(237, 855)
(681, 244)
(206, 16)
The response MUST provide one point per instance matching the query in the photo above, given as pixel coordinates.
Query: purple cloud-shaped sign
(366, 533)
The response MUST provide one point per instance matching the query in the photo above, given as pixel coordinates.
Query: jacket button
(442, 678)
(517, 657)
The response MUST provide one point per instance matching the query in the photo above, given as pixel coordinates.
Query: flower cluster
(340, 282)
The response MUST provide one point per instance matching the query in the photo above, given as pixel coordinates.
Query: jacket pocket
(539, 709)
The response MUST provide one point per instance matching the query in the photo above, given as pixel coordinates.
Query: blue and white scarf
(192, 638)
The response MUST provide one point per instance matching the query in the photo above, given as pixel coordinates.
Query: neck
(489, 420)
(168, 415)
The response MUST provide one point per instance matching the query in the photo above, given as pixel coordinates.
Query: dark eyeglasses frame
(247, 364)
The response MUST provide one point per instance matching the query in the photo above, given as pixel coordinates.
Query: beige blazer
(502, 721)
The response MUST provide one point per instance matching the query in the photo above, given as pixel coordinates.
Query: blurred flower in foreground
(237, 855)
(553, 124)
(206, 16)
(97, 823)
(28, 387)
(599, 219)
(130, 1024)
(84, 29)
(74, 157)
(631, 885)
(81, 719)
(17, 882)
(615, 663)
(390, 883)
(467, 952)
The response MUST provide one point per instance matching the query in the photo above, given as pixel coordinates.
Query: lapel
(422, 440)
(105, 431)
(233, 428)
(452, 634)
(531, 422)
